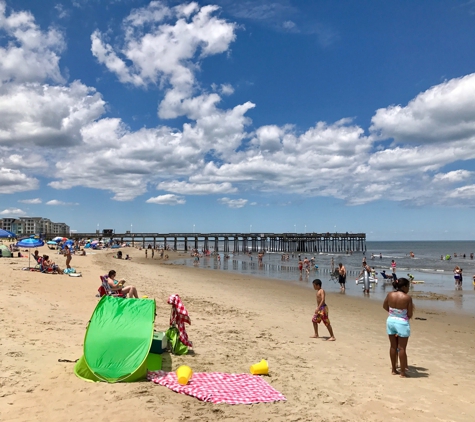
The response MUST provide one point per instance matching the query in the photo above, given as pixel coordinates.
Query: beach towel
(218, 387)
(179, 316)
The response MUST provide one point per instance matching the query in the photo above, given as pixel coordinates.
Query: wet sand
(236, 321)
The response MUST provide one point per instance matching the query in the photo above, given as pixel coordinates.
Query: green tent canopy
(118, 340)
(6, 253)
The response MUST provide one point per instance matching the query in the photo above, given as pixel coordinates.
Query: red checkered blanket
(217, 387)
(179, 316)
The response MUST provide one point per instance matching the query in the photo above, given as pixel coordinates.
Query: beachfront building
(34, 225)
(10, 224)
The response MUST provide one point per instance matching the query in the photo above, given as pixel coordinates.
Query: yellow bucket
(183, 374)
(261, 368)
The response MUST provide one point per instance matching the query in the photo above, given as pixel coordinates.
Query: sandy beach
(236, 321)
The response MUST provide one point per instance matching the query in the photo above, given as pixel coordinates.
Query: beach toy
(183, 374)
(261, 368)
(144, 297)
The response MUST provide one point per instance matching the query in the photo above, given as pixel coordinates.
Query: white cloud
(227, 89)
(31, 54)
(15, 158)
(167, 199)
(12, 181)
(56, 202)
(185, 188)
(465, 192)
(166, 51)
(34, 114)
(233, 203)
(13, 212)
(455, 176)
(62, 12)
(30, 201)
(441, 114)
(288, 25)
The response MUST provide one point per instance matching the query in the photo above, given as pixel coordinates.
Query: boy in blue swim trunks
(321, 313)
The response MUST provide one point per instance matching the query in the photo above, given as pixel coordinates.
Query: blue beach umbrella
(30, 242)
(6, 233)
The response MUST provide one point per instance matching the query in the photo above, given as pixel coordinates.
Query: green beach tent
(6, 253)
(117, 341)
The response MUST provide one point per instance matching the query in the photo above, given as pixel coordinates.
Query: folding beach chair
(105, 289)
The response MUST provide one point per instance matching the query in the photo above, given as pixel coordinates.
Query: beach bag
(176, 346)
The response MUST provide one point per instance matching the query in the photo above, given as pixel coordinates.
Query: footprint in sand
(14, 354)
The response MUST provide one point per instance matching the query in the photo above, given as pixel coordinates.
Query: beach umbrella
(30, 242)
(57, 239)
(6, 233)
(69, 243)
(51, 242)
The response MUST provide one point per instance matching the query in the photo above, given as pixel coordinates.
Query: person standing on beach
(67, 253)
(321, 313)
(300, 265)
(393, 266)
(457, 276)
(366, 271)
(399, 306)
(342, 276)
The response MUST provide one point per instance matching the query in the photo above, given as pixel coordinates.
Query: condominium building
(33, 225)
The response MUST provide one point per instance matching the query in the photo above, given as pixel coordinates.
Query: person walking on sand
(321, 312)
(342, 276)
(399, 306)
(365, 272)
(67, 252)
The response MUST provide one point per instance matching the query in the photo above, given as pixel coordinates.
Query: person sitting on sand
(321, 312)
(400, 308)
(49, 264)
(118, 285)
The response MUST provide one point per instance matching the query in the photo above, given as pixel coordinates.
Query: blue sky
(270, 116)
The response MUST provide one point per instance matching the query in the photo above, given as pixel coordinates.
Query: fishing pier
(241, 242)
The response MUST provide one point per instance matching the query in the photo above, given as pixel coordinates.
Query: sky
(252, 116)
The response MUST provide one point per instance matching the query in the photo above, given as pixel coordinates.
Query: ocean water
(426, 265)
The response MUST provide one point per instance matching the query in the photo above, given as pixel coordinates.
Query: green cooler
(159, 343)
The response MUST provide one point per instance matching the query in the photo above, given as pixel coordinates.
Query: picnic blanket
(218, 387)
(179, 316)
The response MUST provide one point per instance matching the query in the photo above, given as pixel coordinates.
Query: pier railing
(241, 242)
